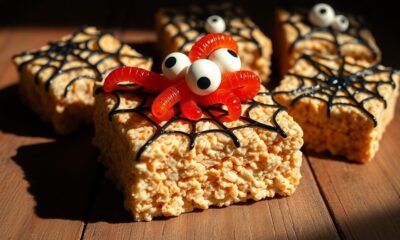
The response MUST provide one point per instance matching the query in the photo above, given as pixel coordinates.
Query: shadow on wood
(18, 119)
(326, 156)
(379, 223)
(108, 206)
(61, 176)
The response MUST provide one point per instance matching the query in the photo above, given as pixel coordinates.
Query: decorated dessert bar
(178, 29)
(343, 105)
(57, 81)
(335, 90)
(324, 31)
(204, 133)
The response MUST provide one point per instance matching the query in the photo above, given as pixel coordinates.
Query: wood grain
(302, 215)
(364, 199)
(45, 183)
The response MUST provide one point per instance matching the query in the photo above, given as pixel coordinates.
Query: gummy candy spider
(210, 75)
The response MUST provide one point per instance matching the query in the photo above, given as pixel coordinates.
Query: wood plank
(46, 183)
(302, 215)
(46, 188)
(364, 199)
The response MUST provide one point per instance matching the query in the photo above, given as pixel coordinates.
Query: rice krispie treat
(321, 30)
(57, 80)
(180, 165)
(204, 133)
(179, 28)
(342, 105)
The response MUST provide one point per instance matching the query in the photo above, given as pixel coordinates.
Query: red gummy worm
(145, 78)
(209, 43)
(168, 115)
(245, 84)
(190, 109)
(168, 98)
(226, 97)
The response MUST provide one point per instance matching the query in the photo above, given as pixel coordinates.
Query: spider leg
(167, 99)
(168, 115)
(209, 43)
(245, 84)
(227, 98)
(150, 80)
(190, 108)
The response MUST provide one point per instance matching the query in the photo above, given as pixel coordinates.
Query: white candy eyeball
(175, 65)
(341, 23)
(215, 24)
(226, 60)
(321, 15)
(203, 77)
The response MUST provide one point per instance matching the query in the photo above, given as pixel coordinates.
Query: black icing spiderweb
(196, 16)
(341, 86)
(213, 114)
(84, 47)
(352, 35)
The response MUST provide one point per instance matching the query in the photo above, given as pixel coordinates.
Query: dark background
(383, 17)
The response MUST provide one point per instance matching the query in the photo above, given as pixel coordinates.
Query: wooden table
(52, 187)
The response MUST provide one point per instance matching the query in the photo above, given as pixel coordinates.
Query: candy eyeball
(175, 65)
(341, 23)
(321, 15)
(226, 60)
(215, 24)
(203, 77)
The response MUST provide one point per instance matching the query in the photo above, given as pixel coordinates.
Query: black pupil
(322, 11)
(232, 53)
(214, 19)
(170, 62)
(343, 20)
(203, 83)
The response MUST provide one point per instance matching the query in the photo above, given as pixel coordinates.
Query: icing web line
(213, 114)
(71, 50)
(340, 86)
(353, 32)
(196, 20)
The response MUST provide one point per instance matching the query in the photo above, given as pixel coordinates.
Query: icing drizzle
(80, 48)
(213, 114)
(196, 17)
(353, 33)
(341, 86)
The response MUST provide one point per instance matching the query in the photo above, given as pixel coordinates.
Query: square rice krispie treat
(178, 165)
(323, 31)
(57, 80)
(179, 28)
(342, 105)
